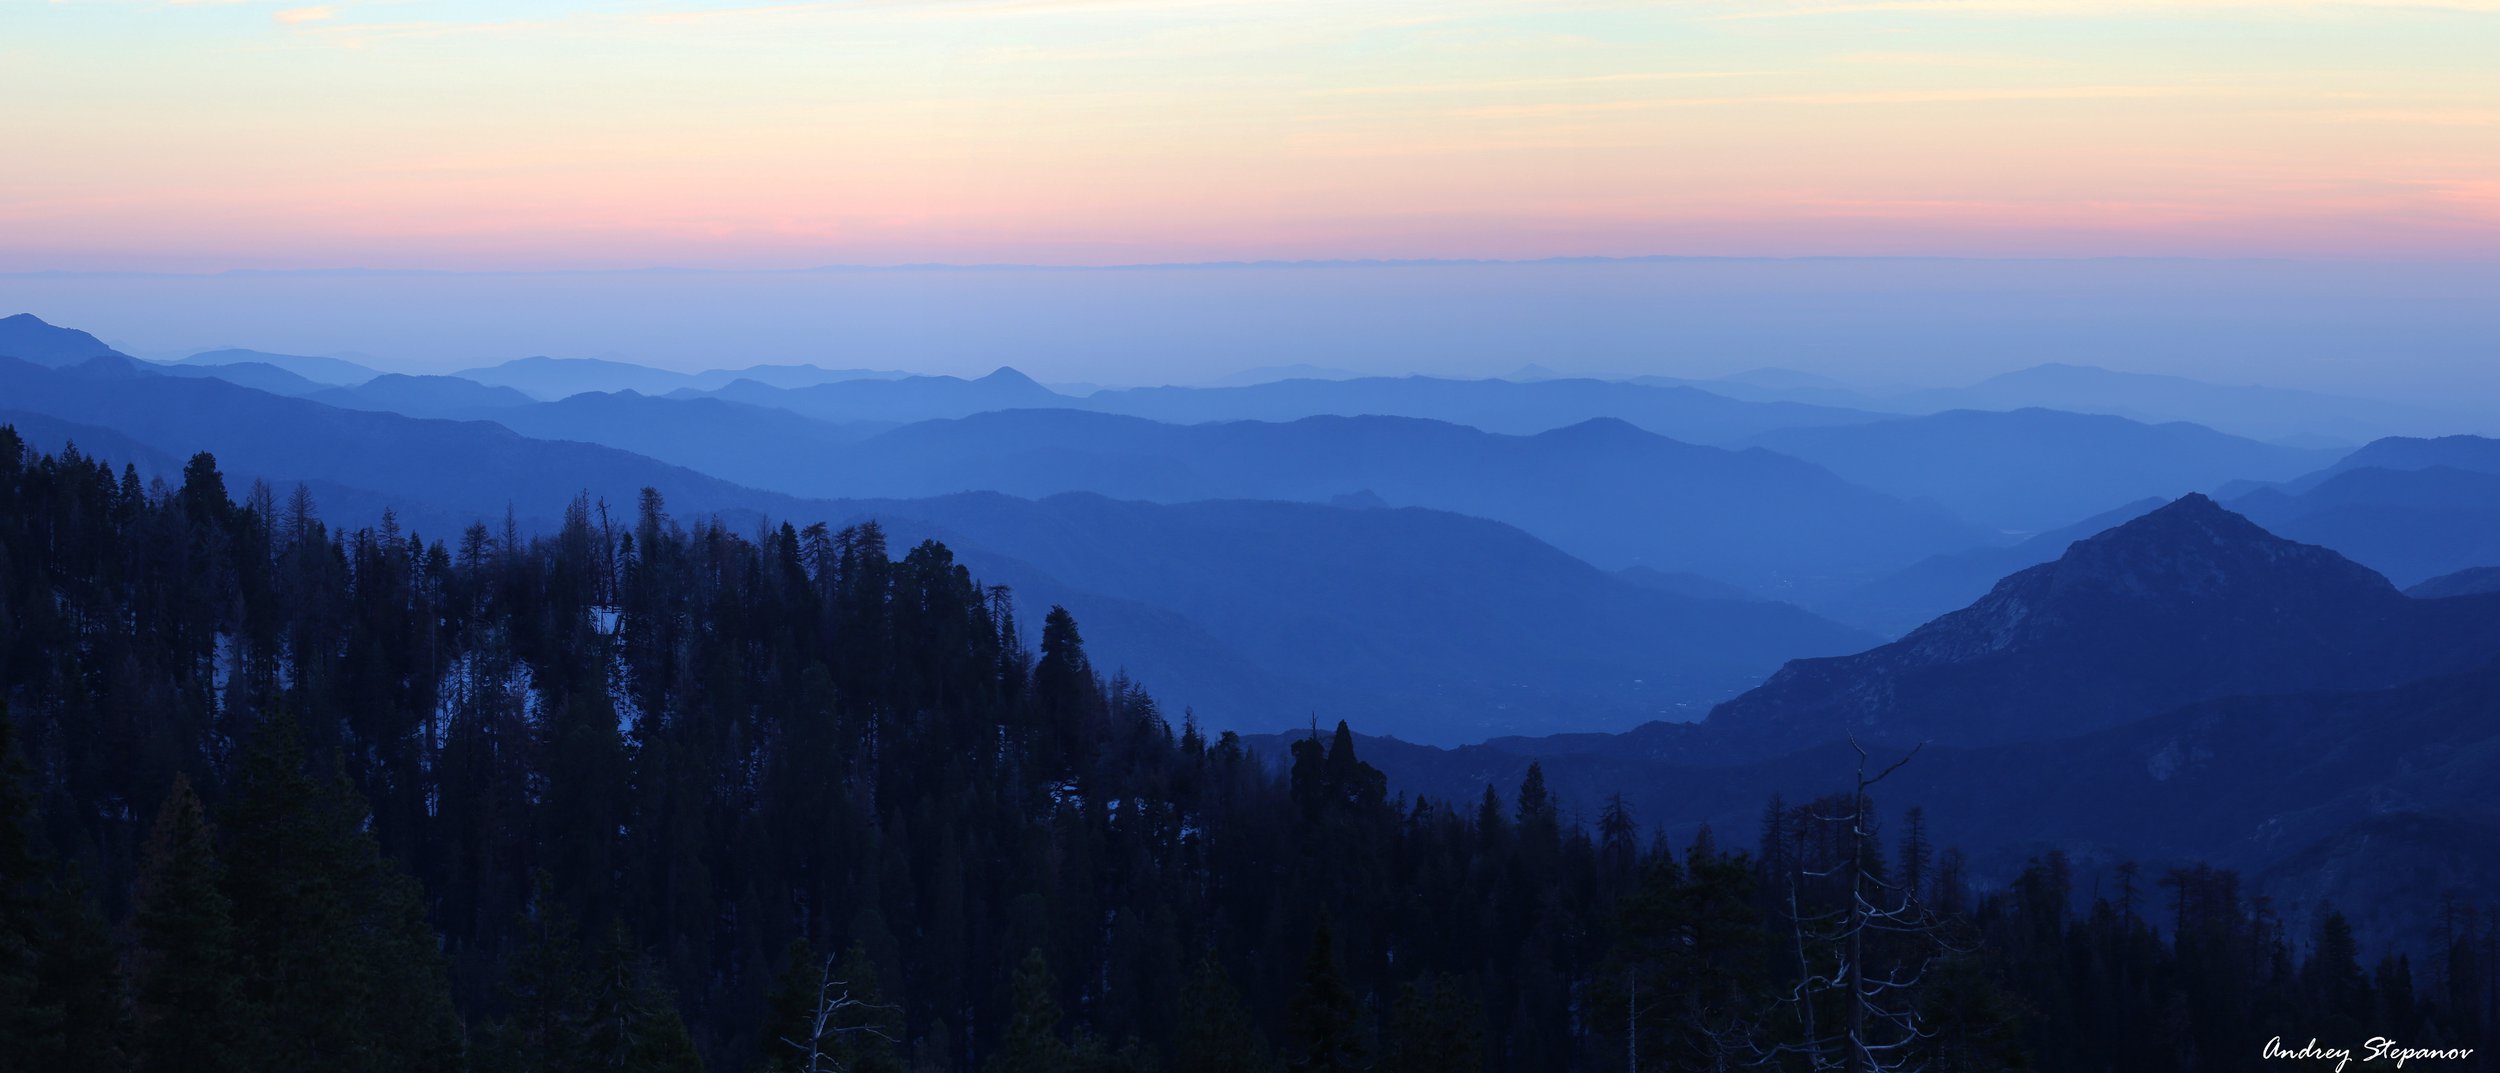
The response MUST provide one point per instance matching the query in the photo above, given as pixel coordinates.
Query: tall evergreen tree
(1033, 1043)
(1437, 1028)
(192, 1016)
(1324, 1022)
(336, 950)
(29, 1018)
(1215, 1034)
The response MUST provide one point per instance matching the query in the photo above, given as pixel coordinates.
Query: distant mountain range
(330, 372)
(1504, 406)
(2264, 413)
(2275, 415)
(904, 399)
(1602, 489)
(423, 396)
(1432, 625)
(2033, 469)
(2412, 509)
(257, 375)
(556, 378)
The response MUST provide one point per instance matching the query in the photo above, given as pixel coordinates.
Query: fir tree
(191, 1016)
(1437, 1028)
(1324, 1021)
(1215, 1034)
(1033, 1044)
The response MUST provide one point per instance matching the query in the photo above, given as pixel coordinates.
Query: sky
(193, 137)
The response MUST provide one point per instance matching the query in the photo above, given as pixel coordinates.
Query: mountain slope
(2410, 524)
(2029, 470)
(2377, 801)
(2188, 602)
(27, 338)
(1898, 603)
(2474, 454)
(2467, 582)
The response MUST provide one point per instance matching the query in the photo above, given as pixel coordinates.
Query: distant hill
(758, 446)
(2030, 470)
(2186, 603)
(912, 398)
(2472, 581)
(2474, 454)
(1782, 385)
(334, 372)
(554, 378)
(425, 396)
(1898, 603)
(2255, 411)
(1268, 374)
(1504, 406)
(787, 376)
(260, 376)
(1601, 489)
(27, 338)
(1685, 584)
(2410, 524)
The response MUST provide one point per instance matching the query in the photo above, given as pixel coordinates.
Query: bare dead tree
(825, 1026)
(1878, 1028)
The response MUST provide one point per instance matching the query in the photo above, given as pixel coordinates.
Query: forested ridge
(652, 795)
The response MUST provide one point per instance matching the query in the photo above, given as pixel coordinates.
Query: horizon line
(1135, 266)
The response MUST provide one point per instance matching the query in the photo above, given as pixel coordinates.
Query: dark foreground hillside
(649, 795)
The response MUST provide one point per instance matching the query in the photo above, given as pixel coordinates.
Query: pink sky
(204, 136)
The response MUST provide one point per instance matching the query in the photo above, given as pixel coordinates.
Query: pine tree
(1215, 1035)
(336, 950)
(1324, 1021)
(543, 1028)
(630, 1022)
(2338, 993)
(1437, 1028)
(76, 965)
(1033, 1044)
(192, 1018)
(29, 1018)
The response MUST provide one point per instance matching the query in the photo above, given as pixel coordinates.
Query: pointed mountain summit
(2186, 603)
(1008, 376)
(27, 338)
